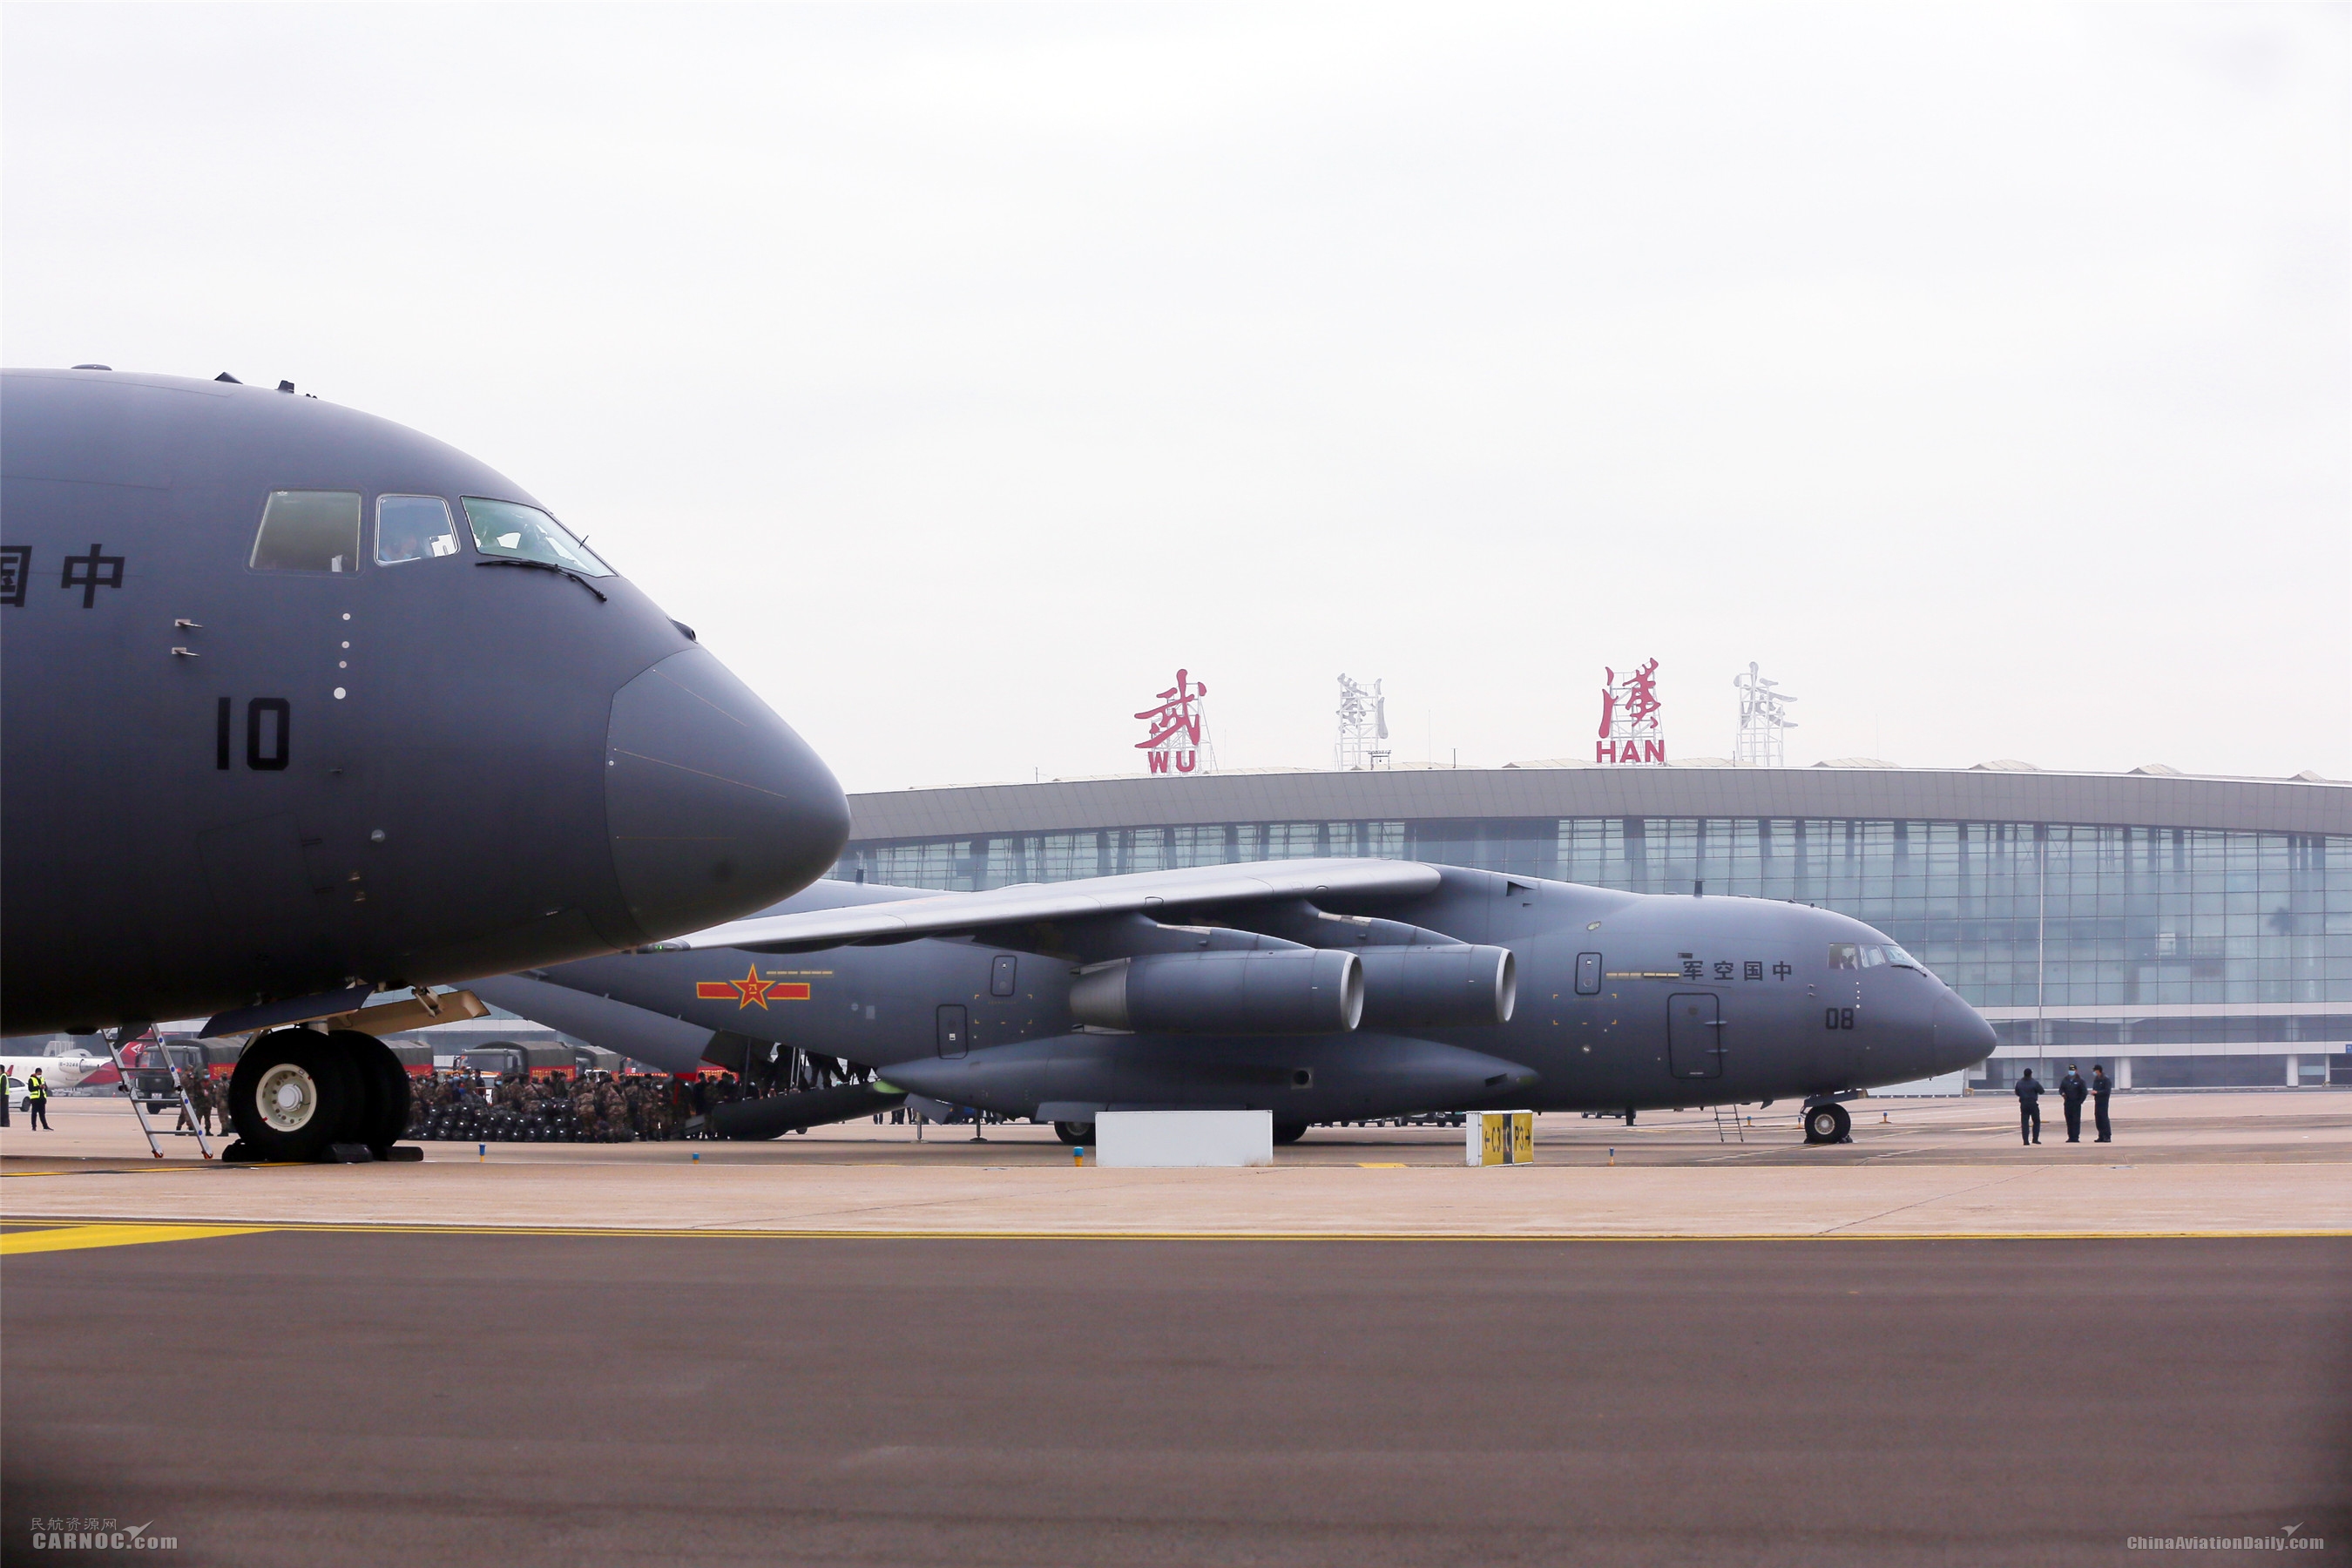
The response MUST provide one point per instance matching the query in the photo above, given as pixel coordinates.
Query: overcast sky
(960, 372)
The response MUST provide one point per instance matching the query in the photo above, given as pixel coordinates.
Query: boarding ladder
(1729, 1116)
(116, 1047)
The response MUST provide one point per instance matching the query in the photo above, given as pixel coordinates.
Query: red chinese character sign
(1174, 742)
(1629, 731)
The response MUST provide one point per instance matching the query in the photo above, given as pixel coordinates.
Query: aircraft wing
(654, 1038)
(1156, 894)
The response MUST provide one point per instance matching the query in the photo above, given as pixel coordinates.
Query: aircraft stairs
(140, 1084)
(1728, 1116)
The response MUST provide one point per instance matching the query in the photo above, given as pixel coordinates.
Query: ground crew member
(2029, 1108)
(36, 1101)
(2073, 1091)
(189, 1103)
(2101, 1086)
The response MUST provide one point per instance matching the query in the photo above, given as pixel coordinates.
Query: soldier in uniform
(2101, 1086)
(2029, 1108)
(189, 1101)
(37, 1101)
(2073, 1091)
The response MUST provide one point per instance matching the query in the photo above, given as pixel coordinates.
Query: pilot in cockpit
(411, 528)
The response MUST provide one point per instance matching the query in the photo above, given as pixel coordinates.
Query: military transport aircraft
(300, 705)
(1318, 990)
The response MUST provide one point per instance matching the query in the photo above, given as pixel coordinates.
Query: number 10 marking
(270, 717)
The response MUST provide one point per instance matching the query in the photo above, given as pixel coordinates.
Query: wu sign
(1173, 743)
(1629, 731)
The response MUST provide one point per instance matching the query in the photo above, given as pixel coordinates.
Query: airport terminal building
(2189, 931)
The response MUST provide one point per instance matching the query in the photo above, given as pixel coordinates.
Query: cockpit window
(309, 531)
(1897, 955)
(1873, 956)
(526, 534)
(411, 527)
(1845, 955)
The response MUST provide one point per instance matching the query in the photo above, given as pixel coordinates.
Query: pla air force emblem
(750, 991)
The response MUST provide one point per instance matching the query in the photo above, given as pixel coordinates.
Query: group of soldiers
(206, 1098)
(608, 1106)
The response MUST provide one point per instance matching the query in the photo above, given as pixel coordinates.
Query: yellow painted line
(171, 1232)
(163, 1169)
(74, 1237)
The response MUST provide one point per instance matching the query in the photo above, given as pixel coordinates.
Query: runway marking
(76, 1237)
(131, 1232)
(1936, 1198)
(189, 1169)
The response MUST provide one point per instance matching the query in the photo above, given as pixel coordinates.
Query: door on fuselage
(1695, 1034)
(955, 1031)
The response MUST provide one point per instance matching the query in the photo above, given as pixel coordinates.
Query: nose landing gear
(1828, 1123)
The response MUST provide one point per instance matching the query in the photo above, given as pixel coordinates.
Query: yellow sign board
(1500, 1138)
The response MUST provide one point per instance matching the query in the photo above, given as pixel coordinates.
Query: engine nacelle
(1290, 991)
(1438, 988)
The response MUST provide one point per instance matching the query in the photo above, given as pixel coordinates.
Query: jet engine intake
(1455, 986)
(1292, 991)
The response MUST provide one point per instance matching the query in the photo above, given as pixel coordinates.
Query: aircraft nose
(1962, 1037)
(715, 808)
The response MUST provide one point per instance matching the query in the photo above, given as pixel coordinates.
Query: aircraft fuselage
(271, 729)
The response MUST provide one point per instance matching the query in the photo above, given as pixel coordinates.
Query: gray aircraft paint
(1793, 1025)
(520, 768)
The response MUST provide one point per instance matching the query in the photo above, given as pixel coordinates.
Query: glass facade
(2181, 940)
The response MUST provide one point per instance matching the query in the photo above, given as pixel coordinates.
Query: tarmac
(2185, 1164)
(1932, 1345)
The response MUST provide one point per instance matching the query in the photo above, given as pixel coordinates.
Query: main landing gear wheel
(1826, 1123)
(382, 1110)
(1075, 1132)
(1290, 1132)
(292, 1094)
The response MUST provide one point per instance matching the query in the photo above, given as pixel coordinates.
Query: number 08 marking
(1838, 1018)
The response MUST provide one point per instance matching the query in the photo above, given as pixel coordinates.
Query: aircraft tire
(1826, 1123)
(290, 1096)
(381, 1112)
(1075, 1132)
(1290, 1132)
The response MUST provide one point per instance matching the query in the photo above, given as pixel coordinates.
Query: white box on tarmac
(1165, 1139)
(1499, 1138)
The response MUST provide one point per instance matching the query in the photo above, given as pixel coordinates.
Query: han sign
(1629, 731)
